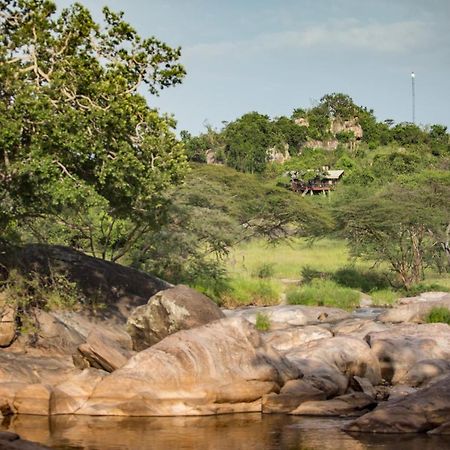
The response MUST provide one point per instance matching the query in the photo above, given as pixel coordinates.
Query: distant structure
(312, 182)
(413, 89)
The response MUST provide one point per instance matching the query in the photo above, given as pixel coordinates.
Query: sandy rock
(289, 338)
(178, 308)
(418, 412)
(7, 321)
(354, 404)
(287, 316)
(70, 396)
(358, 328)
(293, 393)
(347, 355)
(401, 347)
(220, 367)
(415, 309)
(424, 371)
(33, 399)
(364, 385)
(7, 394)
(400, 391)
(103, 352)
(443, 429)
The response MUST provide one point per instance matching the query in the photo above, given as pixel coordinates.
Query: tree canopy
(78, 142)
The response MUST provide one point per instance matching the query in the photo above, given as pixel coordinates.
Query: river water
(225, 432)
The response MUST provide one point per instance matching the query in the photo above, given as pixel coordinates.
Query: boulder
(289, 338)
(33, 399)
(401, 347)
(221, 367)
(400, 391)
(292, 394)
(102, 351)
(358, 328)
(288, 316)
(415, 309)
(12, 441)
(443, 429)
(171, 310)
(421, 411)
(354, 404)
(68, 397)
(7, 321)
(424, 371)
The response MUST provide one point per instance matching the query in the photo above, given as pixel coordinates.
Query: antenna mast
(413, 87)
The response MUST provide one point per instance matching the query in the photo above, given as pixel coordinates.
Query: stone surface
(353, 404)
(400, 391)
(33, 399)
(178, 308)
(293, 393)
(220, 367)
(103, 352)
(358, 328)
(415, 309)
(70, 396)
(401, 347)
(443, 429)
(12, 441)
(289, 338)
(424, 371)
(421, 411)
(287, 316)
(364, 385)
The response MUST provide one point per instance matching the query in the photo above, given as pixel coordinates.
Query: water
(225, 432)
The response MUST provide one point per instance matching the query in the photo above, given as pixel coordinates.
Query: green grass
(324, 293)
(438, 315)
(262, 322)
(384, 297)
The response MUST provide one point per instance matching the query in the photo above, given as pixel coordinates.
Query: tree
(403, 224)
(78, 144)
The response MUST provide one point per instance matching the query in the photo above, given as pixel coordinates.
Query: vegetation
(262, 322)
(438, 315)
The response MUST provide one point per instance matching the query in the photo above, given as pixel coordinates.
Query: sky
(274, 56)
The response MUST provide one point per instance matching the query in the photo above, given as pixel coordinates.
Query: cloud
(391, 38)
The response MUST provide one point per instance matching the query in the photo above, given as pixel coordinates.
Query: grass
(438, 315)
(262, 322)
(324, 293)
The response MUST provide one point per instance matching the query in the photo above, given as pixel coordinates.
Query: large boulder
(169, 311)
(422, 411)
(401, 347)
(357, 327)
(221, 367)
(415, 309)
(12, 441)
(287, 316)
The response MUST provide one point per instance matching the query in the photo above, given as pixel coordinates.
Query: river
(225, 432)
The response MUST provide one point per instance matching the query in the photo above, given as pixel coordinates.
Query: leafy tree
(407, 134)
(339, 105)
(290, 133)
(77, 140)
(247, 142)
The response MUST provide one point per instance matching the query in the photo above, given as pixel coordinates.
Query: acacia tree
(79, 146)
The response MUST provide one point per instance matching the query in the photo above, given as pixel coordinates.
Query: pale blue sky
(273, 56)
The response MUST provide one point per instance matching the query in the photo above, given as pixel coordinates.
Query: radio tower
(413, 88)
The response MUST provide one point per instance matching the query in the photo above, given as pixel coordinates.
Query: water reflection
(226, 432)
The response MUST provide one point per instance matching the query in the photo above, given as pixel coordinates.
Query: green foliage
(262, 322)
(419, 288)
(265, 270)
(251, 291)
(438, 315)
(362, 280)
(79, 145)
(324, 293)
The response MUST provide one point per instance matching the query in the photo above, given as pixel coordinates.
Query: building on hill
(319, 181)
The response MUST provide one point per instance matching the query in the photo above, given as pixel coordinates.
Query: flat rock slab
(286, 316)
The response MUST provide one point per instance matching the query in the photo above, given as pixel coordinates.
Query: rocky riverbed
(180, 355)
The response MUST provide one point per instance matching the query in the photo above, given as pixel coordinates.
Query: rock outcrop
(169, 311)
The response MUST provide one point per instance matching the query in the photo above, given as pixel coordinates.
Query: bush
(308, 274)
(417, 289)
(251, 291)
(438, 315)
(365, 281)
(265, 270)
(262, 322)
(324, 293)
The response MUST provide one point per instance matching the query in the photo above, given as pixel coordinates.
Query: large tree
(79, 145)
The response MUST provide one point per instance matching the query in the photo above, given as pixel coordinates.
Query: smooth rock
(293, 393)
(103, 352)
(401, 347)
(169, 311)
(33, 399)
(400, 391)
(287, 316)
(422, 411)
(365, 386)
(353, 404)
(289, 338)
(424, 371)
(443, 429)
(221, 367)
(358, 328)
(7, 321)
(12, 441)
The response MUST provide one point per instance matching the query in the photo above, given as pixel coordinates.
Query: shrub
(438, 315)
(365, 281)
(265, 270)
(309, 274)
(251, 291)
(417, 289)
(324, 293)
(262, 322)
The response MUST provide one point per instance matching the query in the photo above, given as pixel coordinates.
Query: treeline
(249, 143)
